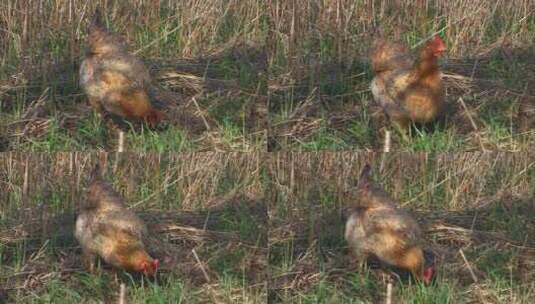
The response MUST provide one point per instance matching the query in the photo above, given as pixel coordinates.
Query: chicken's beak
(428, 275)
(440, 49)
(438, 52)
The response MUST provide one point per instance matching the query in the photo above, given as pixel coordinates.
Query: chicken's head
(149, 267)
(429, 268)
(437, 46)
(428, 274)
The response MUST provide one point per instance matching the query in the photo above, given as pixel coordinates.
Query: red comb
(428, 274)
(438, 42)
(436, 45)
(156, 263)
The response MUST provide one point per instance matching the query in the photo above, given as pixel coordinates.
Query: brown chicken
(114, 80)
(106, 228)
(408, 90)
(377, 228)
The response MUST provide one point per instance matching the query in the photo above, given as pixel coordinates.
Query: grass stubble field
(479, 203)
(269, 228)
(300, 67)
(319, 73)
(208, 57)
(282, 75)
(208, 203)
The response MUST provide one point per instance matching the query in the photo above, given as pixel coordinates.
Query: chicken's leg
(403, 129)
(360, 259)
(89, 260)
(95, 103)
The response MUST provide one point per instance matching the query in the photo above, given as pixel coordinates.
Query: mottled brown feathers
(114, 80)
(408, 90)
(377, 227)
(105, 227)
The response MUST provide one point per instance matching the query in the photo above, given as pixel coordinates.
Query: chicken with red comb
(408, 90)
(377, 228)
(105, 228)
(115, 81)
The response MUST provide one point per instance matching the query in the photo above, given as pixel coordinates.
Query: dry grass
(210, 203)
(319, 72)
(479, 203)
(208, 53)
(473, 27)
(213, 204)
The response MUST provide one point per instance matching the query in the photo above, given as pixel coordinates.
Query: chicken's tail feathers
(90, 201)
(96, 173)
(377, 32)
(365, 175)
(368, 194)
(98, 20)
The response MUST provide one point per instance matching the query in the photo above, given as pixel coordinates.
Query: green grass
(82, 287)
(164, 189)
(322, 60)
(309, 259)
(201, 43)
(364, 125)
(440, 292)
(296, 253)
(159, 141)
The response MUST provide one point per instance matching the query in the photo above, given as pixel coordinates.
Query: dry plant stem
(121, 142)
(387, 142)
(201, 113)
(389, 293)
(473, 123)
(25, 183)
(473, 275)
(468, 266)
(116, 163)
(386, 149)
(205, 274)
(122, 293)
